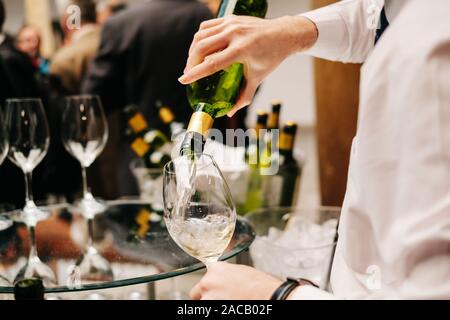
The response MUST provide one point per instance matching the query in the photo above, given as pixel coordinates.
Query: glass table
(130, 235)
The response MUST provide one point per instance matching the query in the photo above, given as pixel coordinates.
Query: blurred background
(320, 96)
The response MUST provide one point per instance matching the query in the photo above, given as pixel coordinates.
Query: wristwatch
(288, 286)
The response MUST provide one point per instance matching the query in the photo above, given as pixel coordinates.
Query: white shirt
(395, 223)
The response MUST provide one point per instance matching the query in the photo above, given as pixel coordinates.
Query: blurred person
(142, 53)
(18, 80)
(28, 40)
(394, 239)
(70, 62)
(107, 8)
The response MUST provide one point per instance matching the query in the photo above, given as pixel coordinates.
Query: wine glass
(29, 139)
(84, 135)
(198, 208)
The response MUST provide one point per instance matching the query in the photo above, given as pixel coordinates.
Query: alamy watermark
(73, 21)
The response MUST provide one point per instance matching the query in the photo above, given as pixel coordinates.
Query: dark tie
(384, 24)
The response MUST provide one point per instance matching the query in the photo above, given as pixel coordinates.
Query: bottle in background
(273, 127)
(214, 96)
(282, 189)
(274, 118)
(254, 198)
(168, 118)
(148, 144)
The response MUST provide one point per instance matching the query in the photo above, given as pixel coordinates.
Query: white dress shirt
(395, 224)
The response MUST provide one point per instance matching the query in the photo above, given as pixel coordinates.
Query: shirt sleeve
(346, 30)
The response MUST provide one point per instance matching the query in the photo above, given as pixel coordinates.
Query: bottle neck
(274, 121)
(201, 122)
(286, 145)
(227, 8)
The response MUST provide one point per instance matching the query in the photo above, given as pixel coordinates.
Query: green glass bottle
(254, 199)
(281, 189)
(214, 96)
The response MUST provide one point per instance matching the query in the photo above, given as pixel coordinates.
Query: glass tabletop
(129, 234)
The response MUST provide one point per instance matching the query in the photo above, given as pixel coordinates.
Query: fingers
(246, 97)
(210, 65)
(206, 47)
(204, 34)
(196, 292)
(211, 23)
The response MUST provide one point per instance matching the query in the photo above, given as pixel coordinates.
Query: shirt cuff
(310, 293)
(332, 31)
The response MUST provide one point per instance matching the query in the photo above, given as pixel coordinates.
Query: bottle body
(282, 189)
(255, 190)
(214, 96)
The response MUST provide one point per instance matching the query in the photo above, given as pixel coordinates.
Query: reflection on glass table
(129, 234)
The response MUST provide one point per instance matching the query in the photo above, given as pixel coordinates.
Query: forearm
(298, 32)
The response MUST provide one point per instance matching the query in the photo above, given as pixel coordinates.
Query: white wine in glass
(199, 210)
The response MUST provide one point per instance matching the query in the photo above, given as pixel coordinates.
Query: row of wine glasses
(84, 135)
(199, 210)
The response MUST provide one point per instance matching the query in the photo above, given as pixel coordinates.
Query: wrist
(302, 33)
(287, 288)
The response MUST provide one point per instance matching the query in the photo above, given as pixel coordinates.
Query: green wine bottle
(214, 96)
(290, 169)
(254, 198)
(281, 189)
(29, 289)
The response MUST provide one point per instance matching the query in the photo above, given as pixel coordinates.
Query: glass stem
(85, 185)
(28, 188)
(32, 235)
(90, 225)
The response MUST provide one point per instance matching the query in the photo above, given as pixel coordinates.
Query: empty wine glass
(84, 135)
(198, 208)
(29, 139)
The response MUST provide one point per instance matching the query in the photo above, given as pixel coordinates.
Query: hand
(261, 45)
(225, 281)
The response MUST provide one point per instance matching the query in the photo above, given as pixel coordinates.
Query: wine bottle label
(200, 122)
(140, 147)
(166, 115)
(138, 123)
(286, 141)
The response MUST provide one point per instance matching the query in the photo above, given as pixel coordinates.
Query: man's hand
(225, 281)
(261, 45)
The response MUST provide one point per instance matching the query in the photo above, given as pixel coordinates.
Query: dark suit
(143, 52)
(57, 173)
